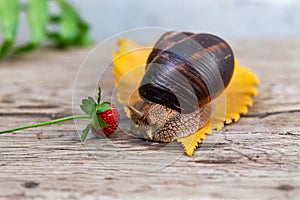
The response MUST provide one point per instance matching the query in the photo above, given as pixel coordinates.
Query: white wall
(230, 18)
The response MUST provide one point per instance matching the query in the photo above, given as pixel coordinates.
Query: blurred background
(227, 18)
(27, 24)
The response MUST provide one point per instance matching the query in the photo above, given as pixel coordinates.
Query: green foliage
(9, 15)
(72, 30)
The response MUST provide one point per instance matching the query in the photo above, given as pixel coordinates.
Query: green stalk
(45, 123)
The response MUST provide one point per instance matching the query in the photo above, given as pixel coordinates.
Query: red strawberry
(104, 116)
(111, 118)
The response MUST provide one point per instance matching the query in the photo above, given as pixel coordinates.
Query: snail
(184, 73)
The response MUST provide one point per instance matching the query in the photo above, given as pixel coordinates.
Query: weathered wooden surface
(256, 158)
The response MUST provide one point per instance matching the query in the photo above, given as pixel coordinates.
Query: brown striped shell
(186, 71)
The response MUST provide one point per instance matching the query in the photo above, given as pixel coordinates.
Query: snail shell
(184, 73)
(186, 70)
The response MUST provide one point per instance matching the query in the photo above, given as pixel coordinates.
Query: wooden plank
(258, 157)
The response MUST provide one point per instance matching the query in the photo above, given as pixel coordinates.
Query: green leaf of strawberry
(88, 106)
(85, 132)
(103, 107)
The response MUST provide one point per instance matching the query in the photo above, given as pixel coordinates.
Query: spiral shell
(186, 71)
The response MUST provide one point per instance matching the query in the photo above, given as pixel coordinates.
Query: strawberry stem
(45, 123)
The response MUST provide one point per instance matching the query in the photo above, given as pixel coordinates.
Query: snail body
(184, 73)
(163, 124)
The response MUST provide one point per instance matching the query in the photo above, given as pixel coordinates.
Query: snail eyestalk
(138, 114)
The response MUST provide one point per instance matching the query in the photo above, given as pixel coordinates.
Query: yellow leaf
(191, 142)
(129, 68)
(238, 96)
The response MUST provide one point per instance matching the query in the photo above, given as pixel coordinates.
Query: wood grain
(256, 158)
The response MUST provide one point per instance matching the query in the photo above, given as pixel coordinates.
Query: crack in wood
(218, 162)
(285, 187)
(37, 107)
(289, 133)
(267, 114)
